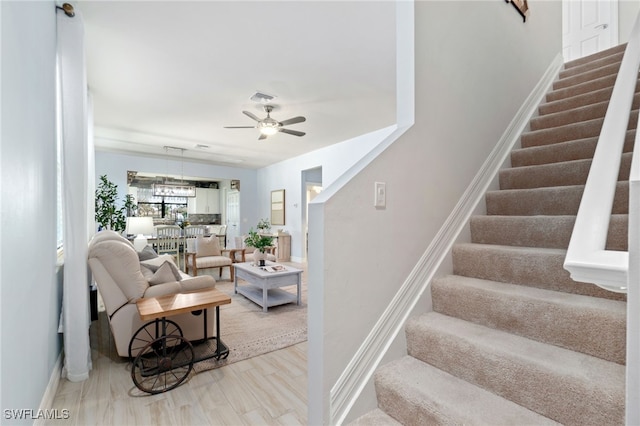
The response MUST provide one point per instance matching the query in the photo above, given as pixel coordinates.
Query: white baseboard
(358, 372)
(50, 392)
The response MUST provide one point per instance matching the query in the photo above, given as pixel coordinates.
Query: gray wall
(30, 288)
(475, 63)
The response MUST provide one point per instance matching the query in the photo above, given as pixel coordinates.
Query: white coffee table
(262, 286)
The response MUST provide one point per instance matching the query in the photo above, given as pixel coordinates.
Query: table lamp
(140, 226)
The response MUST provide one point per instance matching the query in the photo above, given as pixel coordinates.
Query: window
(170, 208)
(59, 206)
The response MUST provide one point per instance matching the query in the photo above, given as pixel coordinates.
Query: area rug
(249, 332)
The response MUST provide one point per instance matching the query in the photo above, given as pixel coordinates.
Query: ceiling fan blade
(251, 115)
(239, 127)
(293, 120)
(262, 136)
(292, 132)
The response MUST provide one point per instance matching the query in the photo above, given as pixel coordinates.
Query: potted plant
(130, 205)
(264, 226)
(260, 243)
(108, 215)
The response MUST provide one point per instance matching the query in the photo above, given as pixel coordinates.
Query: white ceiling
(174, 73)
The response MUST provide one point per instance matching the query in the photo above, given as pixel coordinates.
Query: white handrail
(633, 293)
(587, 260)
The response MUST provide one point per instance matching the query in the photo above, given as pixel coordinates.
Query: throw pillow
(168, 272)
(207, 246)
(157, 262)
(147, 253)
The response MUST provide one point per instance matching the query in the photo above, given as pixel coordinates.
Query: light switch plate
(380, 199)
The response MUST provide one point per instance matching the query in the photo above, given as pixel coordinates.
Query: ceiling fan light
(268, 131)
(268, 128)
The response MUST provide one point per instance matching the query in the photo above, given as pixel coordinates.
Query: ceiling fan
(269, 126)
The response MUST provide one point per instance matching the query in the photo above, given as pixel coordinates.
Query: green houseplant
(130, 205)
(108, 215)
(260, 243)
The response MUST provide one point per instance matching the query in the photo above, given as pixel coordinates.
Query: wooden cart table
(164, 357)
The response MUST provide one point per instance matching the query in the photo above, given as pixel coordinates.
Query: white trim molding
(46, 403)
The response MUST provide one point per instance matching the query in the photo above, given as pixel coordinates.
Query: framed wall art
(521, 6)
(277, 207)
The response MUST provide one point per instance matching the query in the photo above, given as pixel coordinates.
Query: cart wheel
(163, 364)
(149, 332)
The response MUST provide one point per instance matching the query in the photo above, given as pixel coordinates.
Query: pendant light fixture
(167, 189)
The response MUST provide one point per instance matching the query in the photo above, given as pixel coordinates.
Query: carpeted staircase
(512, 340)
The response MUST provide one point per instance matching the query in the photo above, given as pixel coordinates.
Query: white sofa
(122, 279)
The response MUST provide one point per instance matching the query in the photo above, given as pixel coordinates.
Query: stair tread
(586, 87)
(571, 172)
(569, 132)
(566, 362)
(450, 399)
(542, 377)
(617, 307)
(551, 231)
(595, 63)
(595, 56)
(547, 316)
(530, 266)
(587, 76)
(577, 114)
(581, 99)
(563, 151)
(550, 200)
(375, 417)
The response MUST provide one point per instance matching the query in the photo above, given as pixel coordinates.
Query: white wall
(475, 63)
(627, 12)
(334, 160)
(30, 288)
(116, 165)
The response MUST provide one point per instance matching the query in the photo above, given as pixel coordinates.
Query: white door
(588, 26)
(233, 217)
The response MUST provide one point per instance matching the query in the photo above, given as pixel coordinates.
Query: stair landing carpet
(512, 339)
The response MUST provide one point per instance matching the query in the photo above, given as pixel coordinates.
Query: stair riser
(540, 231)
(555, 174)
(579, 69)
(564, 151)
(392, 400)
(578, 101)
(540, 270)
(416, 393)
(587, 76)
(580, 89)
(576, 115)
(590, 98)
(548, 201)
(535, 385)
(554, 321)
(595, 57)
(569, 132)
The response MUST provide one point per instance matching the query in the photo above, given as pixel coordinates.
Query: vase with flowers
(264, 226)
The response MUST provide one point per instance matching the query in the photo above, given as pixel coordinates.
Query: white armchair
(122, 279)
(208, 255)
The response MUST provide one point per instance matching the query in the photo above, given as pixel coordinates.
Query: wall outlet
(380, 199)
